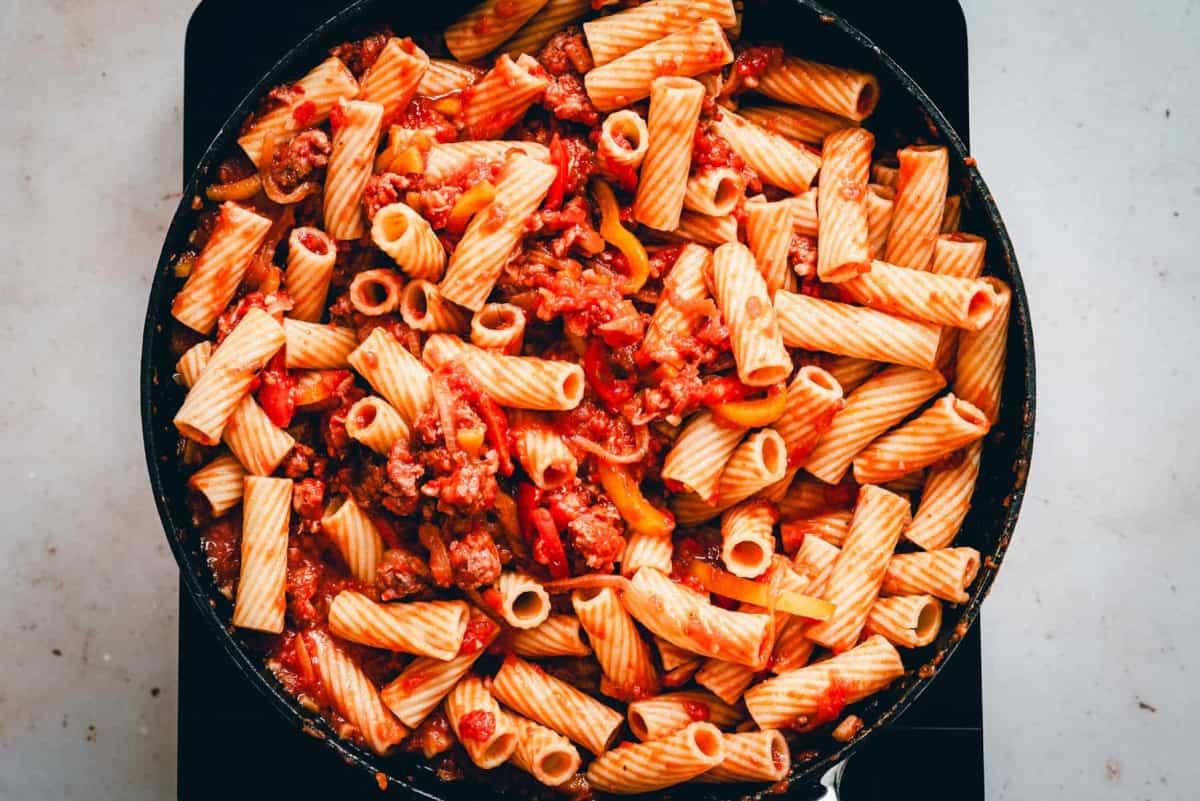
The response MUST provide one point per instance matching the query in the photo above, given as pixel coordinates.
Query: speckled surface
(1084, 117)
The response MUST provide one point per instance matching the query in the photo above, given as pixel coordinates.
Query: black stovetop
(233, 745)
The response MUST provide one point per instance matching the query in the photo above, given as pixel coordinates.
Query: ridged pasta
(754, 334)
(757, 463)
(945, 500)
(502, 96)
(748, 538)
(817, 324)
(221, 483)
(979, 373)
(354, 696)
(499, 326)
(552, 702)
(726, 680)
(880, 204)
(376, 292)
(714, 191)
(494, 232)
(310, 260)
(846, 92)
(266, 509)
(777, 160)
(323, 86)
(258, 443)
(226, 379)
(524, 603)
(753, 756)
(557, 635)
(350, 165)
(885, 172)
(394, 77)
(944, 574)
(471, 700)
(423, 308)
(795, 698)
(909, 621)
(831, 526)
(628, 126)
(687, 619)
(351, 530)
(409, 240)
(813, 398)
(425, 628)
(553, 17)
(642, 549)
(951, 213)
(662, 715)
(769, 236)
(807, 125)
(814, 560)
(373, 422)
(684, 282)
(939, 299)
(623, 655)
(804, 212)
(626, 80)
(706, 230)
(542, 452)
(674, 111)
(444, 76)
(858, 572)
(873, 408)
(850, 372)
(317, 346)
(522, 382)
(541, 752)
(487, 25)
(920, 201)
(193, 361)
(947, 425)
(613, 36)
(424, 682)
(958, 254)
(395, 373)
(644, 767)
(219, 268)
(446, 160)
(845, 249)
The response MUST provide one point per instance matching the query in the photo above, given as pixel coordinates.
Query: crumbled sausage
(401, 573)
(475, 560)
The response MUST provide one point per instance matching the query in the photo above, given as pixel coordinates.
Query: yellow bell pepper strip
(626, 495)
(753, 413)
(244, 189)
(468, 204)
(621, 237)
(728, 585)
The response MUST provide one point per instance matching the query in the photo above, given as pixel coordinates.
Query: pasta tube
(425, 628)
(266, 508)
(220, 267)
(838, 90)
(622, 653)
(754, 333)
(949, 424)
(350, 163)
(842, 205)
(645, 767)
(823, 325)
(920, 200)
(674, 111)
(353, 694)
(311, 256)
(486, 733)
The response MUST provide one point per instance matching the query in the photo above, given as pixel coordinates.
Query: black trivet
(233, 745)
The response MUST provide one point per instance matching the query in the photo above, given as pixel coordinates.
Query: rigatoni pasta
(515, 382)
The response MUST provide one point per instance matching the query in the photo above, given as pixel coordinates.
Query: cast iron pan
(904, 114)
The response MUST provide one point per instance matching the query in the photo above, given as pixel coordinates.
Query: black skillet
(904, 114)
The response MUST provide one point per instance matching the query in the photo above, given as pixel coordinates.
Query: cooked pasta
(674, 110)
(572, 371)
(920, 201)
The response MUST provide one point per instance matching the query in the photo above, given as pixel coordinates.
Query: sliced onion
(271, 143)
(636, 455)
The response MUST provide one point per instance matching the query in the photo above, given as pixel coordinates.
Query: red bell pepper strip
(558, 189)
(612, 392)
(548, 548)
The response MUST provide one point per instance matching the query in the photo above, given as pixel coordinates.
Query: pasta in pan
(534, 390)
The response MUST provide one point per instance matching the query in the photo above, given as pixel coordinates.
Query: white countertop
(1084, 118)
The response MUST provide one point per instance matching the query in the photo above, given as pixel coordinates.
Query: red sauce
(304, 113)
(696, 710)
(480, 631)
(478, 725)
(753, 61)
(311, 241)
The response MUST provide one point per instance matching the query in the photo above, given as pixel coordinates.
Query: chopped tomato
(696, 710)
(559, 158)
(548, 548)
(304, 113)
(480, 631)
(478, 725)
(277, 393)
(497, 430)
(611, 391)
